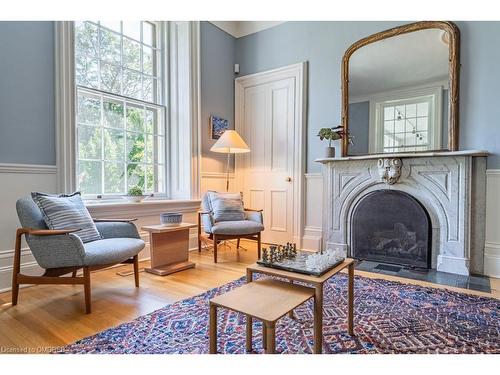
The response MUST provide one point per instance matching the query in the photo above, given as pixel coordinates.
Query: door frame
(299, 73)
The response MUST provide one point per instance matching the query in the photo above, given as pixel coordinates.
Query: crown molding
(240, 29)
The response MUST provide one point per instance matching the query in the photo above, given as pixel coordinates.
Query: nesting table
(267, 300)
(169, 247)
(317, 286)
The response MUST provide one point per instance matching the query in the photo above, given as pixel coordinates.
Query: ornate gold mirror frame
(454, 76)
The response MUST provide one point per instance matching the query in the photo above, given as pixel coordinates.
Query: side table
(169, 247)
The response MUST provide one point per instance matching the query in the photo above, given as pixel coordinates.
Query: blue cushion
(111, 250)
(67, 212)
(226, 206)
(237, 227)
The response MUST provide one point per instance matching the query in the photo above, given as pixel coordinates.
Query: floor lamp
(229, 143)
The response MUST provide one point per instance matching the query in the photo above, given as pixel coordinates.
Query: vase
(330, 152)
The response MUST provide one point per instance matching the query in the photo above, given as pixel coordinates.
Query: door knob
(288, 179)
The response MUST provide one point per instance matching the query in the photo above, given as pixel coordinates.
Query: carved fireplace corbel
(389, 170)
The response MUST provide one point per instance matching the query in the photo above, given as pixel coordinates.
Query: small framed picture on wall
(218, 126)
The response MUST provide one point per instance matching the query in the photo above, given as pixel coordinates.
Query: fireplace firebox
(391, 226)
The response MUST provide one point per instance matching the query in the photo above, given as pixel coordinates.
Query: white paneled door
(266, 112)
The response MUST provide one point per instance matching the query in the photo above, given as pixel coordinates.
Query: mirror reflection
(399, 94)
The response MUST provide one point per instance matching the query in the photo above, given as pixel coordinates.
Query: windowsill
(148, 207)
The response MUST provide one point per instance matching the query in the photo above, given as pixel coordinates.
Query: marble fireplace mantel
(450, 185)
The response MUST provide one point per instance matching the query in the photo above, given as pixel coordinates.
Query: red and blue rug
(390, 317)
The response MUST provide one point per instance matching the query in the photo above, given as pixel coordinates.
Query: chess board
(298, 264)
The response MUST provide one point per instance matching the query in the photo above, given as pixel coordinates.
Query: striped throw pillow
(226, 206)
(67, 212)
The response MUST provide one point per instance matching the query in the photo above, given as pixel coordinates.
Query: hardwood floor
(53, 315)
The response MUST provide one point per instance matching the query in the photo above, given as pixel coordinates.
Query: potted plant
(332, 134)
(135, 194)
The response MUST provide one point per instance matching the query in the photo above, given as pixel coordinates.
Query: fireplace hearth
(391, 226)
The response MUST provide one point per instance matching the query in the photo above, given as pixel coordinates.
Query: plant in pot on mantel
(332, 134)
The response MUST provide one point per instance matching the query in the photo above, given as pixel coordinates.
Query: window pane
(148, 89)
(132, 29)
(89, 110)
(400, 112)
(89, 142)
(411, 110)
(410, 139)
(113, 114)
(160, 149)
(110, 46)
(135, 122)
(147, 55)
(132, 84)
(110, 78)
(421, 138)
(89, 177)
(114, 144)
(388, 113)
(135, 176)
(422, 123)
(149, 118)
(87, 55)
(149, 152)
(423, 109)
(131, 54)
(135, 148)
(399, 126)
(114, 178)
(160, 179)
(150, 178)
(147, 33)
(389, 127)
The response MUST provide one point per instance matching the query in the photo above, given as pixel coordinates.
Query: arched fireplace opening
(391, 226)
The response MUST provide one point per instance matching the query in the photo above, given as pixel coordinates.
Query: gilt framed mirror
(400, 90)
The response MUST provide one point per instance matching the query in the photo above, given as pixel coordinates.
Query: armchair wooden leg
(258, 245)
(215, 248)
(73, 274)
(16, 269)
(238, 243)
(199, 232)
(86, 288)
(136, 270)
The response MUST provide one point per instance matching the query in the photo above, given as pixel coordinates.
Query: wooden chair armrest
(114, 220)
(46, 232)
(204, 212)
(252, 210)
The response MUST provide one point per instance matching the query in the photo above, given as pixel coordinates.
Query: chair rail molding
(28, 168)
(65, 106)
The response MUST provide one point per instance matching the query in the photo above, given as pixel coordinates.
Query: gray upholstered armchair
(249, 227)
(61, 252)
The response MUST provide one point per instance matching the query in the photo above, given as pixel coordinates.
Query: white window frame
(183, 125)
(160, 104)
(376, 136)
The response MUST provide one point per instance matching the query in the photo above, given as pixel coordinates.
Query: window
(406, 120)
(120, 112)
(407, 125)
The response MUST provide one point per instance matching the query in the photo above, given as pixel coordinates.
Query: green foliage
(329, 134)
(135, 191)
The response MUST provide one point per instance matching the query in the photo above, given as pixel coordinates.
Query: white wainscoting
(492, 245)
(17, 180)
(312, 237)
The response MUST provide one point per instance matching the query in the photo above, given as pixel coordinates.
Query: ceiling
(399, 62)
(243, 28)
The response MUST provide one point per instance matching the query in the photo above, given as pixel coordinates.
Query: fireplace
(391, 226)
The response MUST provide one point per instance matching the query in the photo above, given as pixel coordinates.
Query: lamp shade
(230, 142)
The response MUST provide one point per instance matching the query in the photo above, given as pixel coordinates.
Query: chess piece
(272, 257)
(265, 258)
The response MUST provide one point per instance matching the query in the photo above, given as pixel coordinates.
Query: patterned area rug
(390, 317)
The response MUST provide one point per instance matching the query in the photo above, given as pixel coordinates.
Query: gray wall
(322, 44)
(359, 125)
(217, 89)
(27, 126)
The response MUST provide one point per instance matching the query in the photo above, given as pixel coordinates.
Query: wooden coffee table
(317, 284)
(169, 247)
(267, 300)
